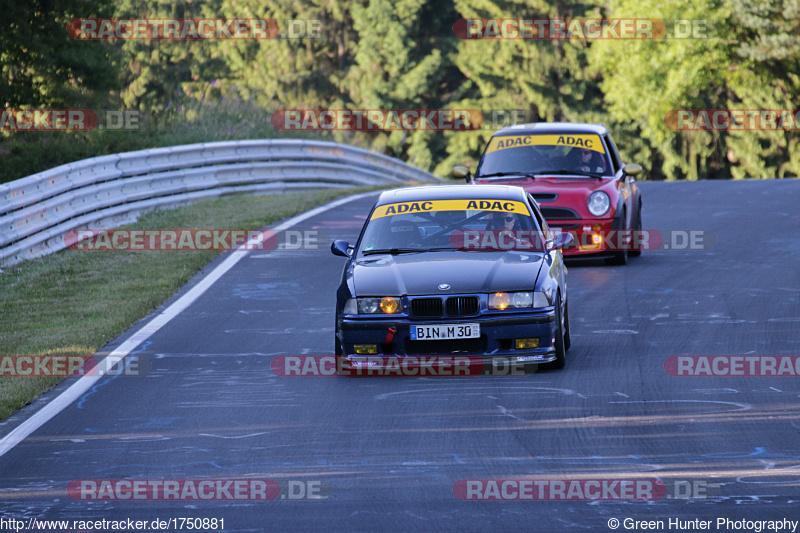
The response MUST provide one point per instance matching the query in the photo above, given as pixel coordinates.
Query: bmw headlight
(598, 203)
(388, 305)
(510, 300)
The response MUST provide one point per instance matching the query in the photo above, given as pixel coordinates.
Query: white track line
(60, 402)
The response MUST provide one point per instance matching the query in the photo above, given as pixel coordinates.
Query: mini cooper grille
(565, 226)
(426, 307)
(462, 306)
(559, 213)
(544, 196)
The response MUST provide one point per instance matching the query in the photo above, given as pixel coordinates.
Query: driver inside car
(404, 234)
(587, 160)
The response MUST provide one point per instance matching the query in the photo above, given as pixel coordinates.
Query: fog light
(596, 238)
(366, 349)
(525, 344)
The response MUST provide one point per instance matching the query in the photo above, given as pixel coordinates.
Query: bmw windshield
(447, 225)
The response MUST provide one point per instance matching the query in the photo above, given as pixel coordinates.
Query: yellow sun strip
(591, 142)
(400, 208)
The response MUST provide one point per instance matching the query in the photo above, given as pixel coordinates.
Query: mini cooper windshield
(540, 154)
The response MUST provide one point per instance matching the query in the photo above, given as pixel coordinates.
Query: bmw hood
(464, 272)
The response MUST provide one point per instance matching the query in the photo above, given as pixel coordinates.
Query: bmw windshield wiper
(393, 251)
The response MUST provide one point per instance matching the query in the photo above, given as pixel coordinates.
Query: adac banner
(590, 142)
(401, 208)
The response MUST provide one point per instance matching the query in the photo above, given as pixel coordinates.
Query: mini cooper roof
(449, 192)
(553, 127)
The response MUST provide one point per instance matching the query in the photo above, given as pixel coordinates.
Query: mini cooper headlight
(598, 203)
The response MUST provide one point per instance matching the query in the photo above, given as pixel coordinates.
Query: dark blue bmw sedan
(453, 270)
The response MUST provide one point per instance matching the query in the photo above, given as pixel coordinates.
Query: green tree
(292, 72)
(547, 80)
(40, 65)
(401, 62)
(748, 59)
(370, 54)
(158, 72)
(764, 73)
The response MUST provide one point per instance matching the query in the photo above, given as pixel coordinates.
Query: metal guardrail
(112, 190)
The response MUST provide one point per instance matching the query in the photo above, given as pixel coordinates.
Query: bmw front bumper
(392, 340)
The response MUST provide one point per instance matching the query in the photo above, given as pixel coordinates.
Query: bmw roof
(554, 127)
(447, 192)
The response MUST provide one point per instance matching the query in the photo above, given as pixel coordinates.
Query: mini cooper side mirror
(342, 248)
(632, 169)
(461, 173)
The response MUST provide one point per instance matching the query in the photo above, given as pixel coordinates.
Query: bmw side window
(539, 218)
(612, 152)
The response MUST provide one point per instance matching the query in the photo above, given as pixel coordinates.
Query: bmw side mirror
(342, 248)
(562, 240)
(461, 173)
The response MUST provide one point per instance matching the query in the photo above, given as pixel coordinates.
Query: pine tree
(42, 66)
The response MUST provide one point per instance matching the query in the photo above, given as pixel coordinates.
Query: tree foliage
(404, 54)
(39, 63)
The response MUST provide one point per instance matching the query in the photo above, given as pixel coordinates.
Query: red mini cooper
(575, 173)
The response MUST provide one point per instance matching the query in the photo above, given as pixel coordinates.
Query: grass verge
(74, 302)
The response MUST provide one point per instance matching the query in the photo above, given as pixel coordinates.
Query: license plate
(445, 332)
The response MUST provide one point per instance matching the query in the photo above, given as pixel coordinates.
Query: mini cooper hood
(465, 272)
(572, 185)
(572, 191)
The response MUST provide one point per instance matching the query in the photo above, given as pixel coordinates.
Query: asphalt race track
(386, 453)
